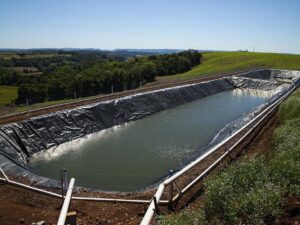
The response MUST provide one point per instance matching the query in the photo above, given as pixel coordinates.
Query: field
(8, 55)
(223, 62)
(7, 94)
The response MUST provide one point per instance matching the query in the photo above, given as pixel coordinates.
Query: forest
(85, 73)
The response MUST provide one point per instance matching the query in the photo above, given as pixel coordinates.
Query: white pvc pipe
(227, 152)
(6, 178)
(194, 163)
(65, 207)
(38, 190)
(112, 200)
(34, 189)
(151, 209)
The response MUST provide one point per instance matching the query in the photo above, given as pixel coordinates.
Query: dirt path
(18, 206)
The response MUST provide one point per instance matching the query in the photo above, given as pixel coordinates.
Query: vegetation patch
(8, 94)
(252, 191)
(89, 74)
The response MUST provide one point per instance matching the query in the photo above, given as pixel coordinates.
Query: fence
(65, 207)
(89, 100)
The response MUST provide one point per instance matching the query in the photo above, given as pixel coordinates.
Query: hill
(222, 62)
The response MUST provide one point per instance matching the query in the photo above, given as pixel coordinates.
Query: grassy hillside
(254, 191)
(222, 62)
(7, 94)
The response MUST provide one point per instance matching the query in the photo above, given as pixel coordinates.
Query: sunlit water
(135, 154)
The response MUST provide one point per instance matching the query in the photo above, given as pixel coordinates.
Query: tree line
(107, 75)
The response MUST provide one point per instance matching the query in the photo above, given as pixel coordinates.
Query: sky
(260, 25)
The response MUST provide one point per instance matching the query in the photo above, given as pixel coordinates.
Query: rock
(39, 223)
(102, 221)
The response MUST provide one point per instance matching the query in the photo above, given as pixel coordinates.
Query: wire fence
(29, 111)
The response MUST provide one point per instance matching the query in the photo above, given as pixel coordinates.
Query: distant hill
(157, 51)
(141, 51)
(153, 51)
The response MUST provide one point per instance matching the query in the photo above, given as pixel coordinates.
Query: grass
(7, 94)
(252, 191)
(222, 62)
(10, 93)
(24, 108)
(42, 104)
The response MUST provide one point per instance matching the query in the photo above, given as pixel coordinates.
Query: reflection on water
(135, 154)
(252, 92)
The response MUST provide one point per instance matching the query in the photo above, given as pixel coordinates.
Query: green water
(133, 155)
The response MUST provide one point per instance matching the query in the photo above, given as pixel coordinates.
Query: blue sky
(267, 25)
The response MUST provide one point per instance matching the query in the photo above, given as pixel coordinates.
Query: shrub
(290, 108)
(285, 163)
(242, 194)
(287, 136)
(185, 217)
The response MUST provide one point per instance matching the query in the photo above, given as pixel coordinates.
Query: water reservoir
(133, 155)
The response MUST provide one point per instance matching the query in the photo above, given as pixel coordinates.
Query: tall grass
(252, 191)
